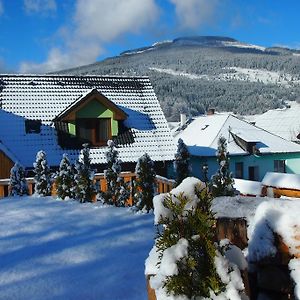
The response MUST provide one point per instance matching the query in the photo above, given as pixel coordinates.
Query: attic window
(33, 126)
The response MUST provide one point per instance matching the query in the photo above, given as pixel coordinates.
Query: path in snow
(51, 249)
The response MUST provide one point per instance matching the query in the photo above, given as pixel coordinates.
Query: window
(279, 166)
(33, 126)
(95, 131)
(239, 170)
(253, 173)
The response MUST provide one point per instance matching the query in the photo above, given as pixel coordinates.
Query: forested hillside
(191, 74)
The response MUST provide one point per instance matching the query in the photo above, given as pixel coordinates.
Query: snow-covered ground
(52, 249)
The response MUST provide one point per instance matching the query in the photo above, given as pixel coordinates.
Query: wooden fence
(163, 185)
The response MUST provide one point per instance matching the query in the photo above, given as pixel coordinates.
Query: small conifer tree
(117, 192)
(84, 177)
(65, 178)
(145, 183)
(17, 181)
(42, 176)
(182, 162)
(194, 224)
(222, 182)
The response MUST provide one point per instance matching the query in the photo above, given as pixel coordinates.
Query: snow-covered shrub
(144, 183)
(185, 261)
(222, 182)
(182, 166)
(84, 189)
(65, 178)
(42, 178)
(17, 181)
(118, 191)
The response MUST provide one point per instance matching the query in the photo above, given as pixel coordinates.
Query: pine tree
(182, 162)
(194, 224)
(222, 182)
(42, 176)
(145, 183)
(117, 191)
(84, 178)
(17, 182)
(65, 178)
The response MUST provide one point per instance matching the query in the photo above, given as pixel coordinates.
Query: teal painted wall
(265, 164)
(94, 109)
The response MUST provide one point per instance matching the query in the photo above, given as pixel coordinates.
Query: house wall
(265, 164)
(94, 109)
(5, 165)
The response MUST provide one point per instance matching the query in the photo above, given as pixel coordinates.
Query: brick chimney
(211, 111)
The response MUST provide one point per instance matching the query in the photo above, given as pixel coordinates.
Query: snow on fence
(163, 185)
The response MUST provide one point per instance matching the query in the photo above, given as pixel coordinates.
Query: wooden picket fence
(163, 185)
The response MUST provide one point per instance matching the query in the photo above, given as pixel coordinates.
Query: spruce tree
(17, 181)
(65, 178)
(84, 177)
(42, 176)
(182, 162)
(222, 182)
(145, 183)
(193, 222)
(117, 191)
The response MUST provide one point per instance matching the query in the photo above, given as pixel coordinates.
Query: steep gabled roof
(44, 97)
(202, 134)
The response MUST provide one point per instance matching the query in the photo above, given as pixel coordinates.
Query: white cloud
(39, 6)
(95, 22)
(1, 8)
(194, 13)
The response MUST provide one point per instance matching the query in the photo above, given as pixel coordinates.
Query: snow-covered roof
(202, 134)
(248, 187)
(43, 97)
(282, 180)
(283, 122)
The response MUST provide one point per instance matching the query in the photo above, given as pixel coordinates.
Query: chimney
(182, 119)
(211, 111)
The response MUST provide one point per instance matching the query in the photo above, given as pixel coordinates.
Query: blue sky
(39, 36)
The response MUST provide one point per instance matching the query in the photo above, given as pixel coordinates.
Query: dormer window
(33, 126)
(95, 131)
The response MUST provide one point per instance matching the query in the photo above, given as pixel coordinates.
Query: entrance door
(253, 173)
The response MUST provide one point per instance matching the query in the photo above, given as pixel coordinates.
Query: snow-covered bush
(84, 189)
(182, 166)
(17, 181)
(144, 183)
(42, 178)
(185, 262)
(65, 178)
(222, 182)
(118, 191)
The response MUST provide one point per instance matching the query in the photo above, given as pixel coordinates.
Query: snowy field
(51, 249)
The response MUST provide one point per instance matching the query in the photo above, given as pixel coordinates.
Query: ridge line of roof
(219, 130)
(75, 76)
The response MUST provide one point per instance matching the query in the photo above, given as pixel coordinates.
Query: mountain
(191, 74)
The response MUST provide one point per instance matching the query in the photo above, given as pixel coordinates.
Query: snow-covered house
(58, 113)
(253, 151)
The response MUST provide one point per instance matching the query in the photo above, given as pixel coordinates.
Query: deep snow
(53, 249)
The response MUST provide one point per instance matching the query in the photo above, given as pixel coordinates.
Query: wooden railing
(163, 185)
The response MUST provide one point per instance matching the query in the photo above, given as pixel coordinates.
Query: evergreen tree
(145, 183)
(17, 181)
(84, 178)
(192, 222)
(65, 178)
(42, 176)
(117, 191)
(182, 162)
(222, 182)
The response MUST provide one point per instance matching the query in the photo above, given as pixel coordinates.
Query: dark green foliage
(17, 182)
(42, 177)
(182, 162)
(196, 272)
(84, 178)
(222, 182)
(65, 179)
(145, 183)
